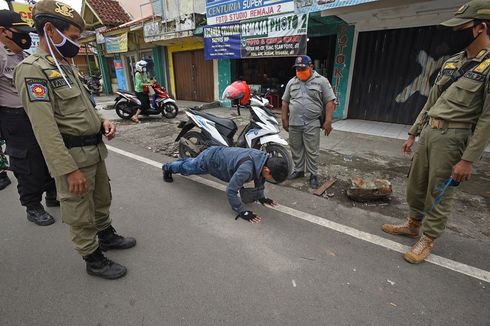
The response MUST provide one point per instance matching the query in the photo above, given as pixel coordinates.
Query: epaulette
(31, 59)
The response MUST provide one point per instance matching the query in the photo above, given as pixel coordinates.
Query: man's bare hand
(285, 124)
(462, 171)
(407, 145)
(109, 129)
(327, 127)
(77, 183)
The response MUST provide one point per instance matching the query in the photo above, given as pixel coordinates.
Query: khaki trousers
(87, 214)
(304, 142)
(437, 152)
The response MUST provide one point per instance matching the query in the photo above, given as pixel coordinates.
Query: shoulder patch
(482, 66)
(481, 53)
(37, 89)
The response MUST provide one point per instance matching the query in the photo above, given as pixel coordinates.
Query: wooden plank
(324, 187)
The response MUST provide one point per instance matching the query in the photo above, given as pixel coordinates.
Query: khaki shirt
(54, 109)
(467, 100)
(307, 99)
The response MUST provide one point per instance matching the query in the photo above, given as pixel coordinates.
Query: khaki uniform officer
(454, 129)
(69, 133)
(306, 98)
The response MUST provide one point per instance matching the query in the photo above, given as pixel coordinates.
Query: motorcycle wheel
(196, 138)
(124, 110)
(170, 110)
(276, 150)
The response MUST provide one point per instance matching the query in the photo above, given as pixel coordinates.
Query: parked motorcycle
(261, 133)
(126, 104)
(92, 83)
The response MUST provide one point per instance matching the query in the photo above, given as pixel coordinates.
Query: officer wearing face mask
(454, 129)
(26, 159)
(69, 132)
(308, 97)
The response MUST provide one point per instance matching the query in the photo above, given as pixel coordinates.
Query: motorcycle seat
(227, 123)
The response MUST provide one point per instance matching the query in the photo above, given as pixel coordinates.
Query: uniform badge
(462, 9)
(450, 65)
(482, 66)
(50, 59)
(54, 74)
(481, 54)
(37, 90)
(64, 9)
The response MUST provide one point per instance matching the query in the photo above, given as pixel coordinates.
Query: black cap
(12, 19)
(302, 61)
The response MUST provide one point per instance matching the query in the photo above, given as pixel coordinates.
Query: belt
(80, 141)
(436, 123)
(12, 110)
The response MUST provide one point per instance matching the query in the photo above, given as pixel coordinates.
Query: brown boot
(420, 250)
(410, 228)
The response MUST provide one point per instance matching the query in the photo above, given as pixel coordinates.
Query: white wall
(137, 8)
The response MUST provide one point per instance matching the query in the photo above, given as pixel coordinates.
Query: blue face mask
(67, 48)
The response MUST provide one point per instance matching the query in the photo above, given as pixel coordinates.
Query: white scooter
(261, 133)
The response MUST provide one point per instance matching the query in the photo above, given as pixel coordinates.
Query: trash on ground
(327, 184)
(369, 190)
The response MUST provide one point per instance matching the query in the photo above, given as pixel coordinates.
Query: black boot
(167, 175)
(51, 200)
(109, 239)
(4, 180)
(313, 181)
(98, 265)
(296, 175)
(39, 216)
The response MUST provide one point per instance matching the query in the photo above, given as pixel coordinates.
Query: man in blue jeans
(236, 166)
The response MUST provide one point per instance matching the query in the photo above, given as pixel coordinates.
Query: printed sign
(275, 36)
(226, 11)
(222, 42)
(24, 10)
(121, 79)
(306, 6)
(116, 44)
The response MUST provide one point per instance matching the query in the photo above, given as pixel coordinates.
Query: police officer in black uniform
(26, 159)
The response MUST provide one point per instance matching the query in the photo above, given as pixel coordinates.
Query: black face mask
(67, 47)
(23, 40)
(460, 40)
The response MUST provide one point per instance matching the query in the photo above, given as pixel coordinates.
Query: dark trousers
(26, 159)
(144, 99)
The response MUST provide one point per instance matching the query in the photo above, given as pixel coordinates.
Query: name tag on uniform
(56, 79)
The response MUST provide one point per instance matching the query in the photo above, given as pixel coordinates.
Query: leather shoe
(167, 175)
(4, 181)
(98, 265)
(39, 216)
(313, 181)
(109, 239)
(296, 175)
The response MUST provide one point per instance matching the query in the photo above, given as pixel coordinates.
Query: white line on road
(361, 235)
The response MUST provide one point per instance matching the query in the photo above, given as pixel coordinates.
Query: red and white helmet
(238, 90)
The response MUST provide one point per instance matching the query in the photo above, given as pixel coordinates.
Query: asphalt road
(195, 265)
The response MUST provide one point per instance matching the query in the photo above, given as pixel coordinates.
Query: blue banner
(121, 79)
(222, 42)
(272, 36)
(307, 6)
(227, 11)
